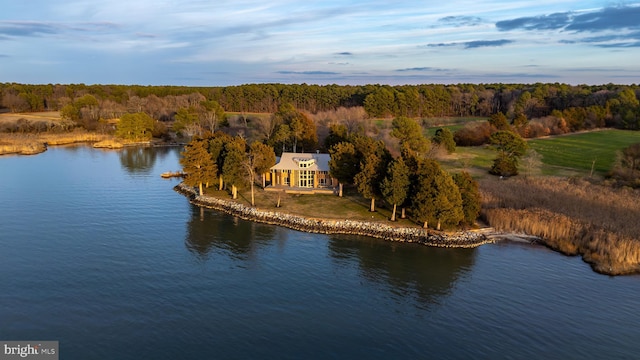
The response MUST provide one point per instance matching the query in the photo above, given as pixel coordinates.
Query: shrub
(473, 134)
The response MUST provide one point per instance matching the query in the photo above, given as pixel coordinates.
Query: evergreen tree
(344, 164)
(217, 146)
(470, 193)
(412, 162)
(293, 128)
(499, 121)
(395, 185)
(197, 164)
(510, 147)
(368, 179)
(337, 133)
(444, 138)
(135, 127)
(263, 158)
(424, 192)
(186, 119)
(409, 132)
(234, 168)
(448, 201)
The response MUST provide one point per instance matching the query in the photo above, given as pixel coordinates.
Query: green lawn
(452, 124)
(578, 151)
(351, 206)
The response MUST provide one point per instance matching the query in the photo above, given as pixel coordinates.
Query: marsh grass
(28, 144)
(570, 215)
(20, 144)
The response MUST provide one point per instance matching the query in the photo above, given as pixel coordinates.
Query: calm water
(99, 253)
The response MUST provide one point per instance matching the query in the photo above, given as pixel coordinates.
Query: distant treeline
(610, 104)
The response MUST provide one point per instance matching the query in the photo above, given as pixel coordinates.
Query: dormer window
(304, 163)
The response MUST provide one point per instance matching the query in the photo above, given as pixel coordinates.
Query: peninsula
(459, 239)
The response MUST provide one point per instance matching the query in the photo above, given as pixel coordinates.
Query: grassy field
(352, 206)
(451, 123)
(476, 160)
(579, 151)
(46, 115)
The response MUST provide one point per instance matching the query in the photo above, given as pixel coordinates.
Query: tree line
(580, 105)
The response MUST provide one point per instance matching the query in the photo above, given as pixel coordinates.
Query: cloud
(613, 18)
(12, 29)
(27, 28)
(544, 22)
(474, 44)
(609, 18)
(345, 53)
(627, 44)
(442, 45)
(286, 20)
(286, 72)
(426, 68)
(621, 40)
(459, 21)
(486, 43)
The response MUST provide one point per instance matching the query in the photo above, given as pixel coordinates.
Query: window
(304, 163)
(305, 178)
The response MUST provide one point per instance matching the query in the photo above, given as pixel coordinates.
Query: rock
(463, 239)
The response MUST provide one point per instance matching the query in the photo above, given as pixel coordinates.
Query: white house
(303, 171)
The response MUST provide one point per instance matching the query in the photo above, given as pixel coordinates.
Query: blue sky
(219, 42)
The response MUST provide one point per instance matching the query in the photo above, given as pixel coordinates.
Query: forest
(581, 106)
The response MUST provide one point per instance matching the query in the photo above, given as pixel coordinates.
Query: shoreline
(37, 145)
(463, 239)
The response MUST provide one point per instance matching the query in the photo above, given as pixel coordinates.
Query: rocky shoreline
(463, 239)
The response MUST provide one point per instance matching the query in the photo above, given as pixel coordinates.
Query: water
(98, 253)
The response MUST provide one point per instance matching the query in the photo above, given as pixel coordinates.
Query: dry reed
(572, 216)
(28, 144)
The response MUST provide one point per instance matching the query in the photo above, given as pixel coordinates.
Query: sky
(221, 43)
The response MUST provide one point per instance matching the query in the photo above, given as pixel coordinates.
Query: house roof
(292, 161)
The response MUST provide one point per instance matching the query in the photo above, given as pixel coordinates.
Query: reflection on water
(138, 159)
(209, 231)
(404, 270)
(407, 269)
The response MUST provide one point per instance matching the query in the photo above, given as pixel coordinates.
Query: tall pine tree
(470, 196)
(395, 185)
(197, 164)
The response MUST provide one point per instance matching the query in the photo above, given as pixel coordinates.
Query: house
(302, 172)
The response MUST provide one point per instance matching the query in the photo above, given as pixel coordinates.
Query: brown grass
(572, 216)
(20, 144)
(28, 144)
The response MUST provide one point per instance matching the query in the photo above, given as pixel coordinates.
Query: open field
(451, 123)
(578, 151)
(563, 155)
(36, 116)
(476, 160)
